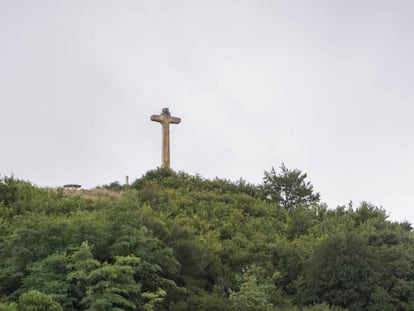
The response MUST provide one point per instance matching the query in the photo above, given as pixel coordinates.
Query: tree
(8, 306)
(80, 266)
(37, 301)
(49, 277)
(252, 294)
(288, 188)
(343, 272)
(113, 287)
(257, 291)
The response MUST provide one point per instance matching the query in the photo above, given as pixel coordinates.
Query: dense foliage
(172, 241)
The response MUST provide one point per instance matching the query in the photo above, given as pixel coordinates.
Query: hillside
(172, 241)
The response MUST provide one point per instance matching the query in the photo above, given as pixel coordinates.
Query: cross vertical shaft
(165, 119)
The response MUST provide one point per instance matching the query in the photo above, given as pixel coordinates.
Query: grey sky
(324, 86)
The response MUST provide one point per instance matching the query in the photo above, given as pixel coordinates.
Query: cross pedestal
(165, 119)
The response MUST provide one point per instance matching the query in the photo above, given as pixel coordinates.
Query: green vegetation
(172, 241)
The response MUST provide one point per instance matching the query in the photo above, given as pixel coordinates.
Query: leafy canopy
(289, 188)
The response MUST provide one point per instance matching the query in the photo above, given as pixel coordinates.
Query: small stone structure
(165, 119)
(72, 186)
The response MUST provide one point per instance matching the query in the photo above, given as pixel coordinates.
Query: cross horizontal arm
(157, 118)
(173, 120)
(165, 119)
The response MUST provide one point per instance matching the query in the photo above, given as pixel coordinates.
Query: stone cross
(165, 119)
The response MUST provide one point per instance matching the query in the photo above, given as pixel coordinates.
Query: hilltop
(172, 241)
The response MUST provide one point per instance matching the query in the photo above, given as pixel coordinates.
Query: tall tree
(289, 188)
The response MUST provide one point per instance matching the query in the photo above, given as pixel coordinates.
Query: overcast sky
(323, 86)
